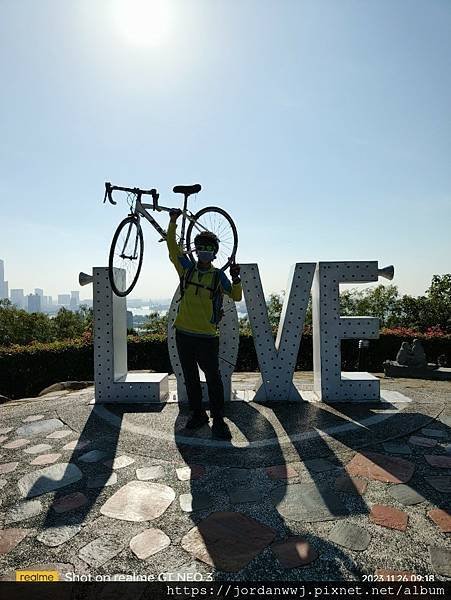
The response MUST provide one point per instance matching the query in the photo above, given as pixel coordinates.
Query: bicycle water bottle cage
(187, 190)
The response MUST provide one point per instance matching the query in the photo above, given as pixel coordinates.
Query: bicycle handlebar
(109, 189)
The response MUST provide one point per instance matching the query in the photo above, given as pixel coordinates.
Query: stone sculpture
(411, 361)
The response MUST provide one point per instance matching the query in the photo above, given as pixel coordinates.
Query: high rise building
(64, 300)
(17, 298)
(3, 284)
(75, 300)
(39, 292)
(34, 303)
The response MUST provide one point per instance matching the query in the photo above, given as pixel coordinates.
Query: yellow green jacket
(195, 310)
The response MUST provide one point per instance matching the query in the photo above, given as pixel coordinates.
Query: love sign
(276, 359)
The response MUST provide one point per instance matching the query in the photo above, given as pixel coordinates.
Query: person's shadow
(329, 492)
(225, 480)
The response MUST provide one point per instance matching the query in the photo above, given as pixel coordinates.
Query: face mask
(205, 256)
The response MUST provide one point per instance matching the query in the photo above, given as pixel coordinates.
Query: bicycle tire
(139, 233)
(232, 225)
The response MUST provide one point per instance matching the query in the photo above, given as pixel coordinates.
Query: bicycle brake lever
(108, 193)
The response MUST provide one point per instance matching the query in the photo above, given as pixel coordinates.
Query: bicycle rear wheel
(126, 252)
(212, 218)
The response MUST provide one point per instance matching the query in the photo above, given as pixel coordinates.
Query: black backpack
(216, 294)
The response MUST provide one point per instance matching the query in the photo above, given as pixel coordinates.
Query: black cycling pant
(194, 350)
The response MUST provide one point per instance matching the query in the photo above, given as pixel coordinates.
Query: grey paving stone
(55, 536)
(48, 479)
(308, 502)
(92, 456)
(424, 442)
(101, 550)
(139, 501)
(98, 481)
(23, 510)
(119, 462)
(350, 536)
(32, 418)
(436, 433)
(149, 542)
(146, 473)
(38, 448)
(446, 419)
(441, 483)
(190, 503)
(244, 494)
(440, 560)
(405, 494)
(39, 428)
(397, 448)
(320, 465)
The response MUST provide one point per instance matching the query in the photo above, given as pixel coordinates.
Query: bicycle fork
(135, 251)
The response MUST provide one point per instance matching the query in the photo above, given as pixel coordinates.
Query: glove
(234, 271)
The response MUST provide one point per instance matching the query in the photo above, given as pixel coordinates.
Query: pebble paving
(108, 507)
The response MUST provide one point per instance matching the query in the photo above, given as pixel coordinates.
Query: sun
(143, 22)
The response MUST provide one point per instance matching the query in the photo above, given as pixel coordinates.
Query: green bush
(26, 370)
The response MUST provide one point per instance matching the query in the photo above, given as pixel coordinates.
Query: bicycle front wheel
(216, 220)
(126, 252)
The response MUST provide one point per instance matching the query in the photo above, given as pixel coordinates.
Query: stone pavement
(303, 492)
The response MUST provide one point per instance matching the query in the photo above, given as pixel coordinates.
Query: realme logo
(37, 576)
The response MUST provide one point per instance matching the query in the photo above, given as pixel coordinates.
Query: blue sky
(323, 127)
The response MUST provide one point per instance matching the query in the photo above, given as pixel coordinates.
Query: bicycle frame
(141, 209)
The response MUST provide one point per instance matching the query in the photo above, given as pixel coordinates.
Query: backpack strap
(185, 278)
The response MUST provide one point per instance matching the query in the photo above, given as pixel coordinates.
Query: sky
(323, 127)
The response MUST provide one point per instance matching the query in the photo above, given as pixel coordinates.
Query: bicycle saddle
(187, 190)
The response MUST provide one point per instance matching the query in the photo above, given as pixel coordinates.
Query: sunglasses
(205, 248)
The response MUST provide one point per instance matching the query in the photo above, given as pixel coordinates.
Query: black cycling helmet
(207, 238)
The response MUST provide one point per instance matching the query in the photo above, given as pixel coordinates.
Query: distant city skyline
(20, 297)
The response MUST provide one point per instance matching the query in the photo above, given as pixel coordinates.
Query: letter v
(277, 361)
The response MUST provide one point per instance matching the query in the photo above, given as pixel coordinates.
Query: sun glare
(143, 22)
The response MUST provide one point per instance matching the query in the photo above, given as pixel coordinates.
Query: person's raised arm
(175, 254)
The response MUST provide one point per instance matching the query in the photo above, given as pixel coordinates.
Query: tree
(156, 323)
(438, 297)
(381, 302)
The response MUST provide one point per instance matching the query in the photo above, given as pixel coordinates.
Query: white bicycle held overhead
(127, 247)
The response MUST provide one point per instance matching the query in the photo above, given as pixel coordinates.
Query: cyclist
(196, 335)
